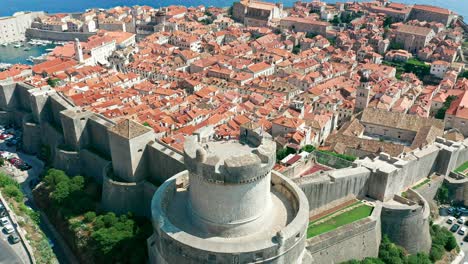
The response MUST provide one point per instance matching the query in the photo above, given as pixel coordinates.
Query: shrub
(7, 180)
(89, 217)
(283, 153)
(420, 258)
(308, 148)
(451, 243)
(437, 251)
(12, 191)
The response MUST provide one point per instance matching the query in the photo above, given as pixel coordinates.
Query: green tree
(441, 112)
(283, 153)
(54, 177)
(451, 243)
(89, 217)
(420, 258)
(436, 253)
(310, 35)
(77, 184)
(308, 148)
(388, 21)
(61, 192)
(53, 82)
(296, 49)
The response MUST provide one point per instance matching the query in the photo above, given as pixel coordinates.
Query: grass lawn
(421, 184)
(462, 168)
(339, 220)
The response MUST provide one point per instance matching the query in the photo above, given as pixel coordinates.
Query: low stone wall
(34, 33)
(356, 240)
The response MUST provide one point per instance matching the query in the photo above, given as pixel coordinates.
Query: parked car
(451, 220)
(13, 238)
(24, 167)
(454, 228)
(9, 229)
(451, 210)
(11, 143)
(5, 136)
(4, 221)
(461, 220)
(14, 161)
(462, 231)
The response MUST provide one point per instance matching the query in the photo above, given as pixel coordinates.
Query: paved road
(7, 254)
(24, 177)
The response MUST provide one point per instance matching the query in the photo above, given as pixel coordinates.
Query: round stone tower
(229, 207)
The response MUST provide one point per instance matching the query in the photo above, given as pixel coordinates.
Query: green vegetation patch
(342, 219)
(72, 204)
(462, 168)
(441, 112)
(421, 184)
(28, 219)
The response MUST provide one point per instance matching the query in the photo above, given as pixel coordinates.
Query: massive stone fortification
(228, 195)
(229, 207)
(124, 157)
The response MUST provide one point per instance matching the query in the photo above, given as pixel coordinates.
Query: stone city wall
(34, 33)
(356, 240)
(78, 143)
(322, 190)
(164, 162)
(406, 222)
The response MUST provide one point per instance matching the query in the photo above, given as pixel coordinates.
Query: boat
(5, 44)
(49, 50)
(17, 45)
(27, 49)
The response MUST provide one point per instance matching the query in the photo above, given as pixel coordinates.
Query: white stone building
(14, 28)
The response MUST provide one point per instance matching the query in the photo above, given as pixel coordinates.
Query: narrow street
(25, 178)
(7, 254)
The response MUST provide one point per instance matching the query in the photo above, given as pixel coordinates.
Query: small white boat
(17, 45)
(5, 44)
(27, 49)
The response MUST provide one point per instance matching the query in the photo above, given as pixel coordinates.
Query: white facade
(439, 68)
(101, 53)
(14, 28)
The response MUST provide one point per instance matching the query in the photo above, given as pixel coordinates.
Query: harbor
(26, 52)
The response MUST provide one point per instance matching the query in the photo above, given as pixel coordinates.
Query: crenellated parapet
(214, 162)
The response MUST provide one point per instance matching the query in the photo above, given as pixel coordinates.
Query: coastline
(52, 7)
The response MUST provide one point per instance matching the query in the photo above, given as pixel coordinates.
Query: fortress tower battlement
(229, 184)
(233, 162)
(229, 207)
